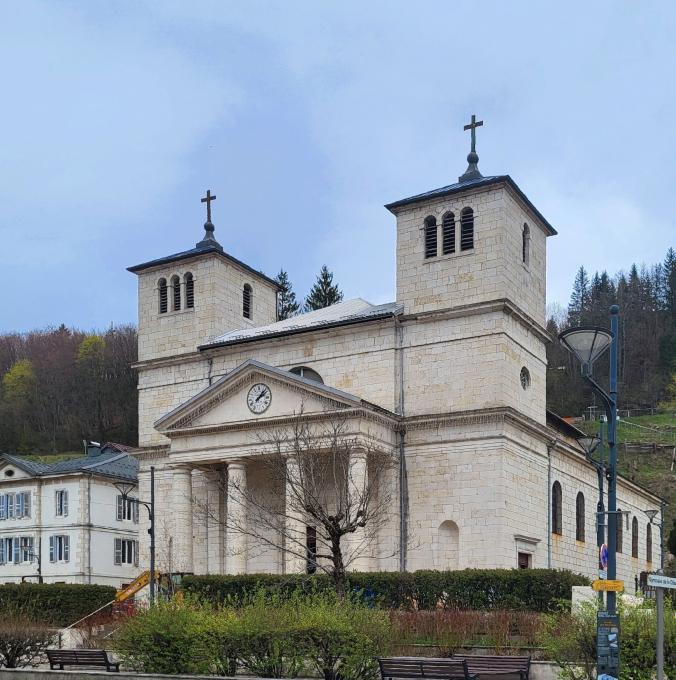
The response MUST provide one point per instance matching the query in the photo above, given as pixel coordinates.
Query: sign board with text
(608, 586)
(659, 581)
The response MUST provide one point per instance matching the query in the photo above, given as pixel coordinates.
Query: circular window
(9, 473)
(525, 378)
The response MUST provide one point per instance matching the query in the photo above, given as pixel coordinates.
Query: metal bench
(58, 658)
(497, 665)
(421, 667)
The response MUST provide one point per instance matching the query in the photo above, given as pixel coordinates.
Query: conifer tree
(579, 298)
(324, 292)
(286, 300)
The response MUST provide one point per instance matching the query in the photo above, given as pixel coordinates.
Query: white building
(66, 521)
(450, 377)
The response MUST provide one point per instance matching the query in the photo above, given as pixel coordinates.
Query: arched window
(467, 229)
(430, 237)
(162, 290)
(448, 228)
(557, 509)
(305, 372)
(525, 244)
(634, 537)
(579, 517)
(189, 290)
(649, 543)
(449, 545)
(618, 531)
(175, 293)
(247, 301)
(524, 377)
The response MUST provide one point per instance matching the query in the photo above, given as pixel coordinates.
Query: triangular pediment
(228, 399)
(10, 470)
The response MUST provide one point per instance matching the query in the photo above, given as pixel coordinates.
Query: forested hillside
(647, 338)
(61, 386)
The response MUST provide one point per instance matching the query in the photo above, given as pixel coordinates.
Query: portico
(219, 480)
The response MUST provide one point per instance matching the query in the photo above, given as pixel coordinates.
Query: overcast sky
(305, 118)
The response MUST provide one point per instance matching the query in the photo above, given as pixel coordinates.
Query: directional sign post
(660, 582)
(608, 586)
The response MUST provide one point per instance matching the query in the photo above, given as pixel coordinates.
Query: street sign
(608, 586)
(603, 556)
(607, 645)
(603, 573)
(659, 581)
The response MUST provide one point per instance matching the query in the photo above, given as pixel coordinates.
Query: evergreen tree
(324, 292)
(286, 300)
(579, 298)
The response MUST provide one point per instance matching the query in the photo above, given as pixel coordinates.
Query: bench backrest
(411, 667)
(90, 656)
(495, 663)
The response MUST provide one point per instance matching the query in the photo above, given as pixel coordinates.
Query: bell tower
(187, 298)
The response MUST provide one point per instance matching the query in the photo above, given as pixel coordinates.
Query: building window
(579, 517)
(127, 509)
(448, 231)
(126, 551)
(308, 373)
(525, 560)
(618, 531)
(162, 291)
(61, 501)
(175, 293)
(189, 290)
(15, 505)
(557, 509)
(525, 378)
(430, 237)
(59, 548)
(467, 229)
(311, 550)
(247, 301)
(649, 543)
(26, 549)
(10, 550)
(634, 537)
(525, 244)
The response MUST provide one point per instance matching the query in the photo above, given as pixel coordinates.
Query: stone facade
(454, 382)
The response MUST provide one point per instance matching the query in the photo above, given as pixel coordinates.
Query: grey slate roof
(352, 311)
(459, 187)
(214, 248)
(109, 463)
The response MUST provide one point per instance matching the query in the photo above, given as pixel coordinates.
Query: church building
(449, 378)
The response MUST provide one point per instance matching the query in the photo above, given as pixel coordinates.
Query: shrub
(55, 604)
(571, 641)
(22, 640)
(169, 638)
(537, 590)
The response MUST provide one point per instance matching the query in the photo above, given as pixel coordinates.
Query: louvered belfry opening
(430, 237)
(175, 293)
(448, 228)
(467, 229)
(189, 290)
(247, 296)
(162, 288)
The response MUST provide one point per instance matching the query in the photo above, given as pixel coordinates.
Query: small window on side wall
(557, 509)
(525, 244)
(247, 301)
(189, 282)
(430, 237)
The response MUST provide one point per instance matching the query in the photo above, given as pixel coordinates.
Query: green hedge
(536, 590)
(54, 604)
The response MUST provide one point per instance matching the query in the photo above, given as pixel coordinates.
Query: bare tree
(330, 480)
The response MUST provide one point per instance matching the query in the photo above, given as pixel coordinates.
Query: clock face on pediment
(258, 398)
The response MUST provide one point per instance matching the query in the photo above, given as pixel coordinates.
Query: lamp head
(125, 488)
(652, 514)
(587, 343)
(589, 444)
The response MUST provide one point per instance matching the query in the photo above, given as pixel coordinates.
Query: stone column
(294, 526)
(236, 540)
(357, 480)
(183, 512)
(215, 520)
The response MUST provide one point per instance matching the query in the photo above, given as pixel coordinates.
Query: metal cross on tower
(473, 126)
(208, 198)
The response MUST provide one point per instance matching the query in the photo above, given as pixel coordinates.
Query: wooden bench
(421, 667)
(497, 665)
(58, 658)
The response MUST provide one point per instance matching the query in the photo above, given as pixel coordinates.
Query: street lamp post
(588, 343)
(124, 490)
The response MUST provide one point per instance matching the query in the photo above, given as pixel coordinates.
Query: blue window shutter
(16, 545)
(27, 503)
(120, 508)
(65, 503)
(66, 548)
(3, 506)
(20, 505)
(2, 551)
(10, 505)
(118, 551)
(52, 548)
